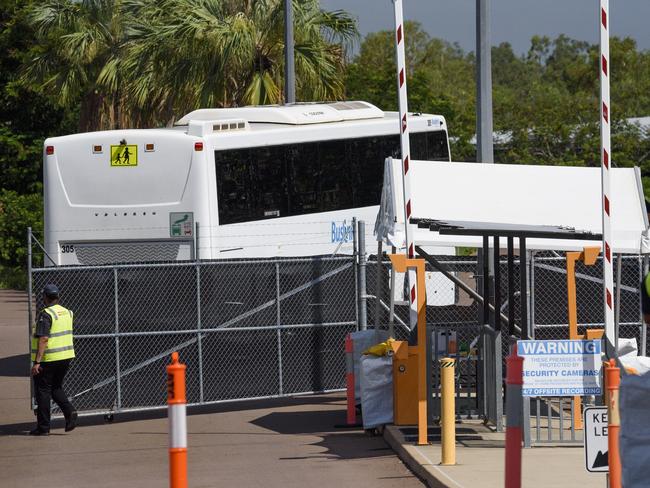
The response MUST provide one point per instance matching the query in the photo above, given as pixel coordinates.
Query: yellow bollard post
(448, 420)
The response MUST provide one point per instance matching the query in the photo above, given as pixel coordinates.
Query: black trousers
(48, 385)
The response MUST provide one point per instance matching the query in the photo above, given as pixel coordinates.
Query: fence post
(355, 261)
(531, 335)
(278, 322)
(118, 371)
(643, 269)
(30, 307)
(363, 312)
(199, 320)
(176, 402)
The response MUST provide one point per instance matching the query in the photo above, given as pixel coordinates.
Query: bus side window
(335, 176)
(233, 185)
(303, 166)
(269, 182)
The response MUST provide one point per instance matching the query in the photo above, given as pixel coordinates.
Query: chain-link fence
(272, 327)
(245, 329)
(549, 310)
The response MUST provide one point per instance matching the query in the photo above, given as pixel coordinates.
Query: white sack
(376, 390)
(361, 341)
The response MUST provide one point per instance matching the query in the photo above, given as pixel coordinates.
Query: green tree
(133, 63)
(79, 58)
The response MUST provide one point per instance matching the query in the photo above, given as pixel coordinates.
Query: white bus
(244, 182)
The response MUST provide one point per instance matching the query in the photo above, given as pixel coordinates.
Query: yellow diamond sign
(124, 155)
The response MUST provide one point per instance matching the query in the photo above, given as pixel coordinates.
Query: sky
(513, 21)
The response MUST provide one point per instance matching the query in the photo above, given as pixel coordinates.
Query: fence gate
(245, 329)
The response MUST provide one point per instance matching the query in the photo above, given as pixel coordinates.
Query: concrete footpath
(480, 460)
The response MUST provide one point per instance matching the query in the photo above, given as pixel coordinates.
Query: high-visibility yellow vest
(647, 284)
(59, 342)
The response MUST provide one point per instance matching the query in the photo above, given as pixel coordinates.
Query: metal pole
(617, 303)
(643, 270)
(363, 311)
(196, 243)
(391, 312)
(355, 257)
(523, 286)
(498, 366)
(278, 322)
(118, 372)
(484, 148)
(289, 68)
(378, 286)
(511, 286)
(199, 335)
(30, 297)
(30, 306)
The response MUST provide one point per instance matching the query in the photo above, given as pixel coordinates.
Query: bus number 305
(67, 248)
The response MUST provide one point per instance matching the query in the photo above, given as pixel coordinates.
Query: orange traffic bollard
(514, 406)
(349, 378)
(177, 423)
(613, 378)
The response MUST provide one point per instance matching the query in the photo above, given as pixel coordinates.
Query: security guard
(52, 352)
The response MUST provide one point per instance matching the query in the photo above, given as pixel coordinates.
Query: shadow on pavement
(338, 444)
(99, 418)
(17, 365)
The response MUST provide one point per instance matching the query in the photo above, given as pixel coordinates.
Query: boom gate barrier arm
(401, 264)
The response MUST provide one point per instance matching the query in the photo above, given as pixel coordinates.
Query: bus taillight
(198, 146)
(49, 150)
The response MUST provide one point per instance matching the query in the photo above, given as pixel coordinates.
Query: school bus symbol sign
(124, 155)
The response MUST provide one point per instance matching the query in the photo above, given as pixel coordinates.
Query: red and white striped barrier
(406, 154)
(176, 405)
(605, 158)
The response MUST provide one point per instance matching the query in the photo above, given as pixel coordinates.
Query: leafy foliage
(546, 103)
(133, 63)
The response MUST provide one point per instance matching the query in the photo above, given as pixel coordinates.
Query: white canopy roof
(564, 196)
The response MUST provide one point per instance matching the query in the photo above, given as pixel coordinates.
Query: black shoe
(71, 422)
(38, 431)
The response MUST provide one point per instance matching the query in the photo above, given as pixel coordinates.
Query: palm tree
(79, 58)
(207, 53)
(143, 62)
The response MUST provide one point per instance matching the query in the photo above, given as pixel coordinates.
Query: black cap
(51, 291)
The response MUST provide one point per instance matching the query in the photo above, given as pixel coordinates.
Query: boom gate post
(401, 265)
(589, 255)
(176, 402)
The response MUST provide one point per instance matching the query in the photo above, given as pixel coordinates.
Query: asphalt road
(288, 442)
